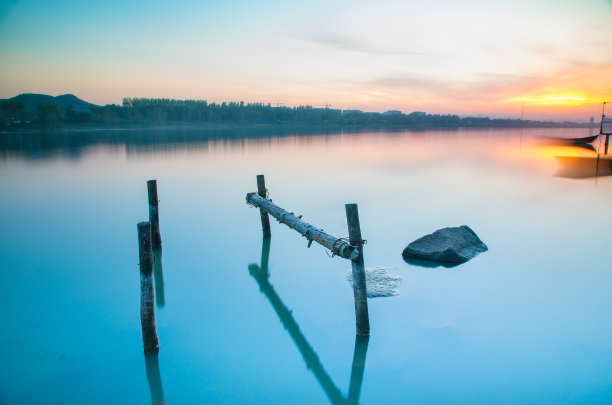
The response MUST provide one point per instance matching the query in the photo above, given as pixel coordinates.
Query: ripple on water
(379, 282)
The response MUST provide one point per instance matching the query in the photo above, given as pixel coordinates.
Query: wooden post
(359, 282)
(154, 213)
(262, 192)
(147, 309)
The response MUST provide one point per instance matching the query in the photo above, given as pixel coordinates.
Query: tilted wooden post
(154, 213)
(359, 281)
(265, 219)
(147, 309)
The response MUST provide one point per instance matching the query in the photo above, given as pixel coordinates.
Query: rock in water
(448, 245)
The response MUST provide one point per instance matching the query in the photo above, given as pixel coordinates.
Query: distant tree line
(156, 111)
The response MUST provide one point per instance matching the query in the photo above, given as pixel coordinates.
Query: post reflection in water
(158, 277)
(152, 359)
(359, 357)
(261, 275)
(154, 378)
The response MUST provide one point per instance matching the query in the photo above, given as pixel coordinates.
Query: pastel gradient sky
(440, 56)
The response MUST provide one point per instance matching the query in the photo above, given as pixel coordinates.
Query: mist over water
(244, 322)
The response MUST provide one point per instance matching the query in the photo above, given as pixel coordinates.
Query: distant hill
(31, 101)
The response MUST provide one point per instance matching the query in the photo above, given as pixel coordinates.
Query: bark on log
(338, 247)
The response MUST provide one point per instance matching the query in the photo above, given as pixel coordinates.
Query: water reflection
(580, 167)
(261, 275)
(73, 144)
(582, 142)
(265, 255)
(575, 162)
(358, 368)
(154, 378)
(158, 276)
(429, 263)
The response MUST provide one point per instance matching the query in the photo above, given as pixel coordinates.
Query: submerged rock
(379, 282)
(448, 245)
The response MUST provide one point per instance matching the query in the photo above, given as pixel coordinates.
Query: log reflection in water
(311, 359)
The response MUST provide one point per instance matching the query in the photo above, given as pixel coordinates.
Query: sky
(542, 58)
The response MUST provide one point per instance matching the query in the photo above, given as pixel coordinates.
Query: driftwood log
(337, 246)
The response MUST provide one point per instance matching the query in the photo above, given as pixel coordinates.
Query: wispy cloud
(479, 85)
(353, 44)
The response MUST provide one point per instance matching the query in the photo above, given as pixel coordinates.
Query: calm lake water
(529, 321)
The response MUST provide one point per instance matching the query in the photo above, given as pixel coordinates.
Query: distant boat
(604, 129)
(585, 139)
(579, 167)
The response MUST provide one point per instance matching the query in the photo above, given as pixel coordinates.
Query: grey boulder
(449, 246)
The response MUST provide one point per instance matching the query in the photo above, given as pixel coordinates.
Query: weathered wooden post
(359, 282)
(154, 213)
(265, 219)
(147, 309)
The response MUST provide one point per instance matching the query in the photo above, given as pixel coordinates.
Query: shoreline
(284, 126)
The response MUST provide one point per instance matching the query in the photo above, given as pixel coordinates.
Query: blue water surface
(528, 321)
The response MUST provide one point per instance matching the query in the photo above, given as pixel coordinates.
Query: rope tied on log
(359, 241)
(333, 250)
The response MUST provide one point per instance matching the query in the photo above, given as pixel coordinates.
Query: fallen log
(338, 247)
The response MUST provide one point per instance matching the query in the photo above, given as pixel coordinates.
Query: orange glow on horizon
(556, 99)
